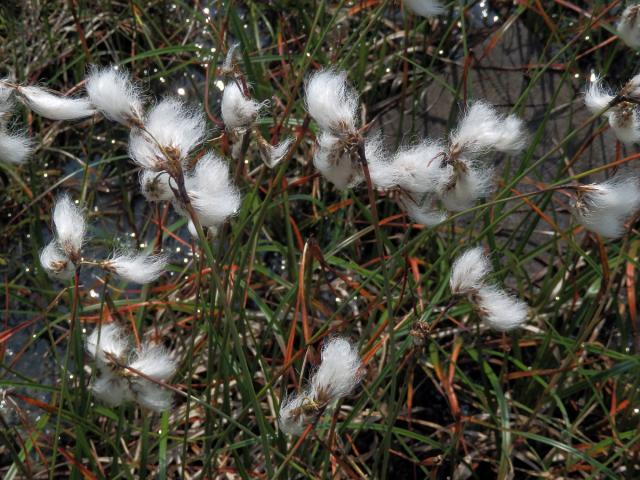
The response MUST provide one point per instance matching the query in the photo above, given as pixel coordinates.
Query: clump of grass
(247, 305)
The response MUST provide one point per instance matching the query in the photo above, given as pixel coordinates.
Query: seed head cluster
(126, 374)
(430, 178)
(498, 309)
(338, 374)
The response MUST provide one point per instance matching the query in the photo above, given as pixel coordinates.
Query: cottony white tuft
(192, 229)
(469, 271)
(211, 231)
(500, 310)
(335, 163)
(237, 110)
(331, 102)
(632, 87)
(212, 194)
(418, 169)
(111, 389)
(70, 226)
(629, 26)
(106, 343)
(155, 186)
(56, 263)
(273, 155)
(619, 195)
(14, 148)
(144, 152)
(597, 98)
(381, 169)
(152, 396)
(604, 208)
(137, 267)
(624, 122)
(116, 385)
(426, 214)
(291, 419)
(113, 93)
(514, 136)
(229, 59)
(605, 225)
(54, 106)
(339, 371)
(171, 128)
(469, 187)
(6, 103)
(383, 173)
(482, 129)
(424, 8)
(154, 362)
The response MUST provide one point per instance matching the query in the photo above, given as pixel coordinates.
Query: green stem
(386, 443)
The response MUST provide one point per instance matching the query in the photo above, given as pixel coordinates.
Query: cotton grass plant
(240, 268)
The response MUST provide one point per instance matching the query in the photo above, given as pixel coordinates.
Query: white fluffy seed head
(155, 186)
(383, 174)
(137, 267)
(499, 310)
(513, 137)
(425, 213)
(624, 122)
(378, 160)
(291, 418)
(339, 371)
(482, 129)
(272, 155)
(154, 361)
(238, 112)
(211, 231)
(597, 97)
(6, 93)
(172, 125)
(106, 343)
(424, 8)
(629, 26)
(632, 87)
(331, 102)
(192, 229)
(381, 168)
(152, 396)
(470, 186)
(53, 106)
(335, 164)
(56, 263)
(6, 103)
(14, 147)
(229, 59)
(113, 93)
(111, 389)
(374, 150)
(469, 271)
(70, 226)
(620, 195)
(213, 196)
(604, 208)
(144, 152)
(605, 225)
(419, 169)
